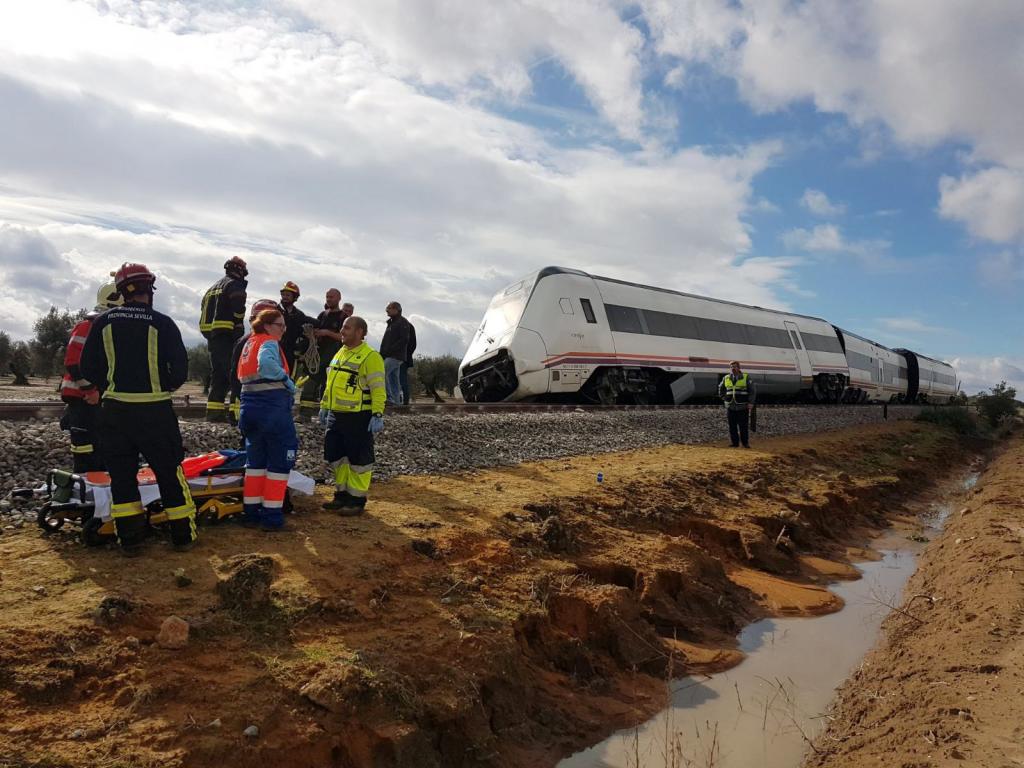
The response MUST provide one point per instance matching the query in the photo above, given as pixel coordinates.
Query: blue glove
(376, 424)
(289, 385)
(325, 417)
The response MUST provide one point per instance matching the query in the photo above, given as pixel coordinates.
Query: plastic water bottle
(600, 477)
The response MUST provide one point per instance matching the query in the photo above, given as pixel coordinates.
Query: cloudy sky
(862, 160)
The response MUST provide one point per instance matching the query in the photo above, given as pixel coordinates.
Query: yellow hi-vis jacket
(355, 381)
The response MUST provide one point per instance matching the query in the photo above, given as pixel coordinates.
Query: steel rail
(24, 410)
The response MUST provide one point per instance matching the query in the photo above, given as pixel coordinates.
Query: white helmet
(107, 296)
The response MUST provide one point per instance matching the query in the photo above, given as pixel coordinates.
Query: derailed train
(564, 335)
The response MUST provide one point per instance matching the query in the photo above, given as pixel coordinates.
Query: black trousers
(82, 421)
(739, 426)
(220, 346)
(150, 429)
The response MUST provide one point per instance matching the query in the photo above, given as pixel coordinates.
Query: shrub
(951, 417)
(999, 404)
(199, 368)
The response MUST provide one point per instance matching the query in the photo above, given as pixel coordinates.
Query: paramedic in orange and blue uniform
(265, 421)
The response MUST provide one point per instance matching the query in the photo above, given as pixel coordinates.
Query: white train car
(563, 334)
(877, 374)
(929, 380)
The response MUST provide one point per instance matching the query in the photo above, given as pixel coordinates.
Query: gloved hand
(289, 385)
(376, 424)
(326, 418)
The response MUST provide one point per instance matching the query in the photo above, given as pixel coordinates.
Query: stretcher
(86, 499)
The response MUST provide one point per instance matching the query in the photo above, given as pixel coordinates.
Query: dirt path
(947, 686)
(504, 617)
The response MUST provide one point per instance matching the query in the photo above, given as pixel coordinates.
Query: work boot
(131, 550)
(342, 500)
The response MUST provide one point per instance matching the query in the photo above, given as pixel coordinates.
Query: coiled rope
(311, 357)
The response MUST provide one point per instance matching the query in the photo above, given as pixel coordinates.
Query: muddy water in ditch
(765, 711)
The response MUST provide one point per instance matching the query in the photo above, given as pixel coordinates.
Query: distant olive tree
(52, 332)
(435, 375)
(199, 367)
(998, 404)
(20, 363)
(6, 349)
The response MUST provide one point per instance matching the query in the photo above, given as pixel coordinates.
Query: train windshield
(502, 317)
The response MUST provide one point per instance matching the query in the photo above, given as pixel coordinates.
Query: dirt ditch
(502, 617)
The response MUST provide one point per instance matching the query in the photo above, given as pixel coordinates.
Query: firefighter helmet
(259, 306)
(133, 278)
(236, 267)
(107, 297)
(290, 286)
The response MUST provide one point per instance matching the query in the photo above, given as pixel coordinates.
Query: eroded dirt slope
(947, 686)
(504, 617)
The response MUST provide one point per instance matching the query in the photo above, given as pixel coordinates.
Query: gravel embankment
(419, 444)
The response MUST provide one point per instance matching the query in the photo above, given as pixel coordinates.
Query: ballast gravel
(441, 443)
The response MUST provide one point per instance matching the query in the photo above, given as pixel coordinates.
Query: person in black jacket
(404, 375)
(327, 333)
(220, 322)
(135, 357)
(394, 348)
(294, 318)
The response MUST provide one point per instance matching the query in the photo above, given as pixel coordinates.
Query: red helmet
(236, 265)
(259, 306)
(290, 286)
(130, 278)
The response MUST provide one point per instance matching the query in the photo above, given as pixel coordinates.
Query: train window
(736, 333)
(588, 310)
(796, 344)
(623, 319)
(660, 323)
(566, 305)
(711, 330)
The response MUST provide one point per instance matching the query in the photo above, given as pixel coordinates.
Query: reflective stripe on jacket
(73, 384)
(135, 354)
(355, 381)
(736, 391)
(249, 361)
(223, 307)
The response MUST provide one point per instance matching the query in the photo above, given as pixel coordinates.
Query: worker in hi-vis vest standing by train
(352, 410)
(739, 394)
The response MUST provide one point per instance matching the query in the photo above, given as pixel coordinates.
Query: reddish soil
(505, 617)
(945, 688)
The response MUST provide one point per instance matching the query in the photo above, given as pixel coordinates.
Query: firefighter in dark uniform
(294, 319)
(739, 394)
(135, 357)
(352, 409)
(220, 322)
(81, 416)
(328, 340)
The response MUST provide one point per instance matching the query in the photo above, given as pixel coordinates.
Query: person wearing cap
(739, 394)
(294, 319)
(135, 357)
(220, 322)
(81, 398)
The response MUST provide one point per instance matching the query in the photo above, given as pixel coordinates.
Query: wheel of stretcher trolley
(49, 519)
(91, 535)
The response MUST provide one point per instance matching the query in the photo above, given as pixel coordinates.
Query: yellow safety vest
(735, 391)
(355, 381)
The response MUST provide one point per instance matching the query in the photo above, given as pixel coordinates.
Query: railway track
(23, 410)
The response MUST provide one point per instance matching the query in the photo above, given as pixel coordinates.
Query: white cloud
(366, 150)
(823, 237)
(817, 202)
(980, 374)
(910, 325)
(990, 203)
(928, 71)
